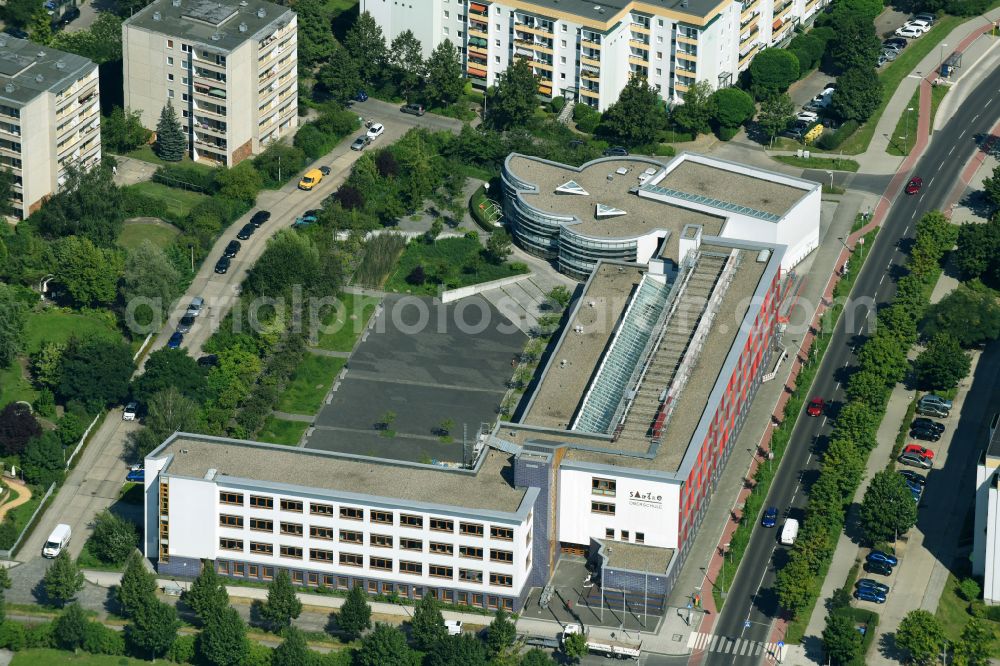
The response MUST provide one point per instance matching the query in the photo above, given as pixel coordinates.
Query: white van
(454, 627)
(789, 532)
(58, 540)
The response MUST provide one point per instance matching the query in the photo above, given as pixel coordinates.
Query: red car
(816, 407)
(919, 450)
(914, 185)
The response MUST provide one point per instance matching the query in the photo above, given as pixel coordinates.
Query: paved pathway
(23, 495)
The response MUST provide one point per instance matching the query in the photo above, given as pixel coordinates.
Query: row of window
(376, 563)
(609, 533)
(374, 515)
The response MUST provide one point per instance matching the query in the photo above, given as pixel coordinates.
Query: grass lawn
(350, 319)
(818, 163)
(905, 135)
(13, 385)
(89, 560)
(134, 233)
(58, 326)
(937, 96)
(46, 657)
(310, 382)
(449, 263)
(279, 431)
(146, 154)
(179, 202)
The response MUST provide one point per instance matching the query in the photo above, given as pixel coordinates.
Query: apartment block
(229, 69)
(587, 51)
(50, 118)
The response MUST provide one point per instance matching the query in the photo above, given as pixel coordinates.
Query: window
(410, 567)
(562, 60)
(609, 533)
(319, 555)
(471, 529)
(442, 525)
(659, 72)
(186, 48)
(317, 532)
(230, 544)
(659, 55)
(564, 27)
(291, 505)
(295, 529)
(442, 548)
(222, 568)
(599, 486)
(268, 573)
(659, 22)
(640, 537)
(314, 579)
(261, 525)
(170, 43)
(562, 42)
(380, 540)
(659, 39)
(184, 96)
(624, 535)
(261, 548)
(383, 517)
(408, 520)
(380, 563)
(602, 507)
(502, 533)
(447, 14)
(470, 552)
(328, 580)
(252, 571)
(170, 77)
(224, 497)
(505, 556)
(439, 571)
(349, 536)
(170, 61)
(411, 544)
(320, 509)
(352, 560)
(226, 520)
(294, 552)
(352, 513)
(297, 577)
(470, 575)
(446, 30)
(501, 580)
(261, 502)
(184, 80)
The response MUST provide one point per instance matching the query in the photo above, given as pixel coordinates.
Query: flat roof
(28, 69)
(605, 185)
(603, 10)
(745, 189)
(490, 488)
(219, 26)
(635, 557)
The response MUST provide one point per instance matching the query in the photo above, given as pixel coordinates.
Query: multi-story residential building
(587, 51)
(50, 117)
(986, 533)
(229, 68)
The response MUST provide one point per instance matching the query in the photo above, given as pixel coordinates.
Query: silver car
(916, 460)
(931, 399)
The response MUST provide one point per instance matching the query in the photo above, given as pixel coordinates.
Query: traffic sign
(690, 606)
(781, 644)
(746, 625)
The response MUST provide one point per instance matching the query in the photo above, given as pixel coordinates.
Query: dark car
(136, 476)
(67, 17)
(304, 220)
(185, 324)
(914, 185)
(232, 249)
(260, 217)
(880, 556)
(362, 96)
(895, 43)
(246, 232)
(926, 434)
(413, 109)
(616, 151)
(325, 170)
(880, 568)
(927, 424)
(937, 411)
(16, 32)
(575, 143)
(913, 477)
(869, 594)
(770, 518)
(222, 265)
(208, 361)
(175, 340)
(873, 584)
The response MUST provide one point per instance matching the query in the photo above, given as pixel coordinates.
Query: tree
(89, 273)
(887, 509)
(40, 27)
(171, 143)
(114, 538)
(170, 368)
(355, 615)
(365, 43)
(991, 187)
(12, 317)
(794, 585)
(17, 427)
(7, 182)
(498, 247)
(444, 83)
(978, 247)
(842, 642)
(537, 657)
(772, 71)
(5, 584)
(207, 596)
(575, 647)
(460, 650)
(282, 605)
(166, 413)
(70, 628)
(223, 641)
(316, 40)
(883, 354)
(867, 387)
(63, 579)
(385, 646)
(43, 462)
(95, 371)
(695, 114)
(942, 364)
(854, 45)
(89, 205)
(856, 423)
(122, 131)
(153, 628)
(921, 635)
(149, 280)
(101, 42)
(898, 321)
(500, 634)
(293, 650)
(406, 56)
(731, 107)
(975, 645)
(138, 585)
(290, 258)
(18, 13)
(971, 316)
(427, 626)
(417, 276)
(512, 101)
(969, 589)
(637, 115)
(561, 296)
(242, 182)
(858, 94)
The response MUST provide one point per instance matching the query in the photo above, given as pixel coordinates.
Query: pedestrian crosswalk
(739, 647)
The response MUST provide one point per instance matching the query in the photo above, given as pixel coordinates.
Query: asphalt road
(752, 599)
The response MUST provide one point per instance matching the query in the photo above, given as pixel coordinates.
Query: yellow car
(311, 179)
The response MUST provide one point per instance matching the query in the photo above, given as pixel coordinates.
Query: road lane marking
(931, 182)
(962, 134)
(951, 151)
(882, 280)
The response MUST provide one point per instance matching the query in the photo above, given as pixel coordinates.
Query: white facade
(986, 531)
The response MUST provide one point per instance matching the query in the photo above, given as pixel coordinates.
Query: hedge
(832, 140)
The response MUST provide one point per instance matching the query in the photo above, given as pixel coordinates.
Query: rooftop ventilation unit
(41, 54)
(157, 16)
(9, 88)
(562, 363)
(39, 78)
(3, 43)
(261, 13)
(60, 64)
(216, 36)
(243, 27)
(175, 3)
(244, 3)
(763, 256)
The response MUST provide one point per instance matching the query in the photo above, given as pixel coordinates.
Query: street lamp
(725, 556)
(941, 57)
(830, 173)
(906, 142)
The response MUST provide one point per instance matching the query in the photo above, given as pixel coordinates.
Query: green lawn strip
(14, 386)
(55, 325)
(798, 626)
(179, 202)
(310, 383)
(47, 657)
(346, 322)
(905, 134)
(146, 154)
(20, 515)
(937, 96)
(894, 73)
(279, 431)
(835, 164)
(134, 233)
(953, 610)
(449, 263)
(89, 560)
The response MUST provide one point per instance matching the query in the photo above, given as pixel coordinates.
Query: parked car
(918, 23)
(919, 450)
(413, 109)
(208, 361)
(130, 409)
(222, 265)
(880, 568)
(60, 21)
(910, 475)
(185, 324)
(926, 18)
(816, 407)
(232, 249)
(246, 232)
(311, 179)
(770, 518)
(261, 216)
(910, 32)
(882, 556)
(890, 54)
(914, 185)
(926, 434)
(375, 131)
(359, 143)
(807, 116)
(16, 32)
(881, 60)
(869, 594)
(915, 460)
(136, 475)
(175, 340)
(936, 411)
(362, 96)
(325, 170)
(896, 43)
(927, 423)
(197, 303)
(873, 584)
(304, 220)
(931, 399)
(616, 151)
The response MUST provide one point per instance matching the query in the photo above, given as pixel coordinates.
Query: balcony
(587, 44)
(481, 34)
(745, 23)
(478, 8)
(211, 110)
(586, 92)
(534, 30)
(639, 27)
(10, 130)
(588, 75)
(211, 93)
(749, 7)
(687, 56)
(593, 62)
(683, 39)
(681, 87)
(636, 60)
(209, 142)
(206, 125)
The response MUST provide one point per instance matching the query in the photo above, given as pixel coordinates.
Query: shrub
(187, 177)
(557, 104)
(12, 635)
(727, 133)
(41, 635)
(832, 140)
(318, 137)
(98, 639)
(182, 650)
(137, 204)
(587, 119)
